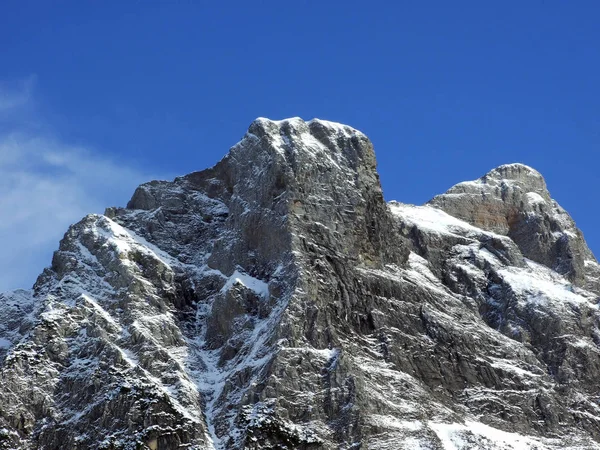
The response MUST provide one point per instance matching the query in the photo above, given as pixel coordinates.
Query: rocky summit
(276, 301)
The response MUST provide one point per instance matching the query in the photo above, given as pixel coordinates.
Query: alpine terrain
(276, 301)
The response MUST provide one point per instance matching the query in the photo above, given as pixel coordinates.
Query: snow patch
(433, 220)
(259, 287)
(540, 285)
(533, 198)
(455, 436)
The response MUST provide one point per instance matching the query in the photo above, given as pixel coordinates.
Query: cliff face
(276, 301)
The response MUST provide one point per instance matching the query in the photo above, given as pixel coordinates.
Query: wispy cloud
(16, 95)
(45, 185)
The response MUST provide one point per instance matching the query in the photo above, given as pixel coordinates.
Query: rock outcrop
(513, 200)
(276, 301)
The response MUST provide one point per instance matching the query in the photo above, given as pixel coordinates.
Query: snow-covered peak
(284, 140)
(508, 176)
(515, 171)
(298, 124)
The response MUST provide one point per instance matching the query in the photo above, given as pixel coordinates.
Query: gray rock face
(513, 200)
(275, 301)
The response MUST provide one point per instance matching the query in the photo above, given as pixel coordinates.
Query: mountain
(276, 301)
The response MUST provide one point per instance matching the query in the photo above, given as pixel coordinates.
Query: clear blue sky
(122, 91)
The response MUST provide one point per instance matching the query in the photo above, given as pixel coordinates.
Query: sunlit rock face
(513, 200)
(275, 301)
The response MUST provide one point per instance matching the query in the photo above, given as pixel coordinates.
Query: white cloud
(46, 185)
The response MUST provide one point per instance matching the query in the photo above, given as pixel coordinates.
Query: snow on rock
(477, 435)
(432, 219)
(16, 315)
(259, 287)
(538, 284)
(513, 200)
(533, 198)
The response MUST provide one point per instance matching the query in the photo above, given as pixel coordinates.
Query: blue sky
(96, 97)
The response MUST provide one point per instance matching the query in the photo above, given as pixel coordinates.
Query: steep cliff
(276, 301)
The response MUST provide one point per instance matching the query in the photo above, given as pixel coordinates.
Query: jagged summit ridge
(503, 181)
(518, 172)
(276, 301)
(297, 122)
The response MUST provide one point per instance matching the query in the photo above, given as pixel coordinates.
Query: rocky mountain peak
(508, 180)
(513, 200)
(337, 146)
(276, 301)
(297, 126)
(529, 179)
